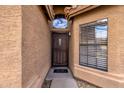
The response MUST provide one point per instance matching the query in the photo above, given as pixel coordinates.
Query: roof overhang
(70, 12)
(50, 11)
(76, 10)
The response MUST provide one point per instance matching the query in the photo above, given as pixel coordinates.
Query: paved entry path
(61, 80)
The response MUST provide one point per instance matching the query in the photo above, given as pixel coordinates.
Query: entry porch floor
(63, 80)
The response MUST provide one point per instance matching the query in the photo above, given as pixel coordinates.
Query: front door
(60, 49)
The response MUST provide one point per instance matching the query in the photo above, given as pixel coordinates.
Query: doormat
(60, 71)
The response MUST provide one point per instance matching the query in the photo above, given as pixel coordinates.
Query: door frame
(52, 51)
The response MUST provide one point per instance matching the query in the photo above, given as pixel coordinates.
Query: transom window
(93, 44)
(60, 23)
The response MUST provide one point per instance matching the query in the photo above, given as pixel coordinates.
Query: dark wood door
(60, 49)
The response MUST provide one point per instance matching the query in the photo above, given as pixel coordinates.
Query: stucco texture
(115, 75)
(25, 46)
(36, 46)
(10, 46)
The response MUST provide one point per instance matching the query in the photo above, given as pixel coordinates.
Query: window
(93, 44)
(60, 23)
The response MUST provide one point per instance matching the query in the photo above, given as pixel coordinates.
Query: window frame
(88, 24)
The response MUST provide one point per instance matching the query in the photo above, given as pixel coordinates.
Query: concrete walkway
(61, 80)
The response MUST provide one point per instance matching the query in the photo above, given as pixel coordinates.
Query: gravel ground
(46, 84)
(84, 84)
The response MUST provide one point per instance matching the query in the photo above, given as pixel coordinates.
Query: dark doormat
(60, 71)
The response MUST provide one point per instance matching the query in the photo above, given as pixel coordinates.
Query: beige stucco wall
(71, 48)
(36, 46)
(10, 46)
(115, 75)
